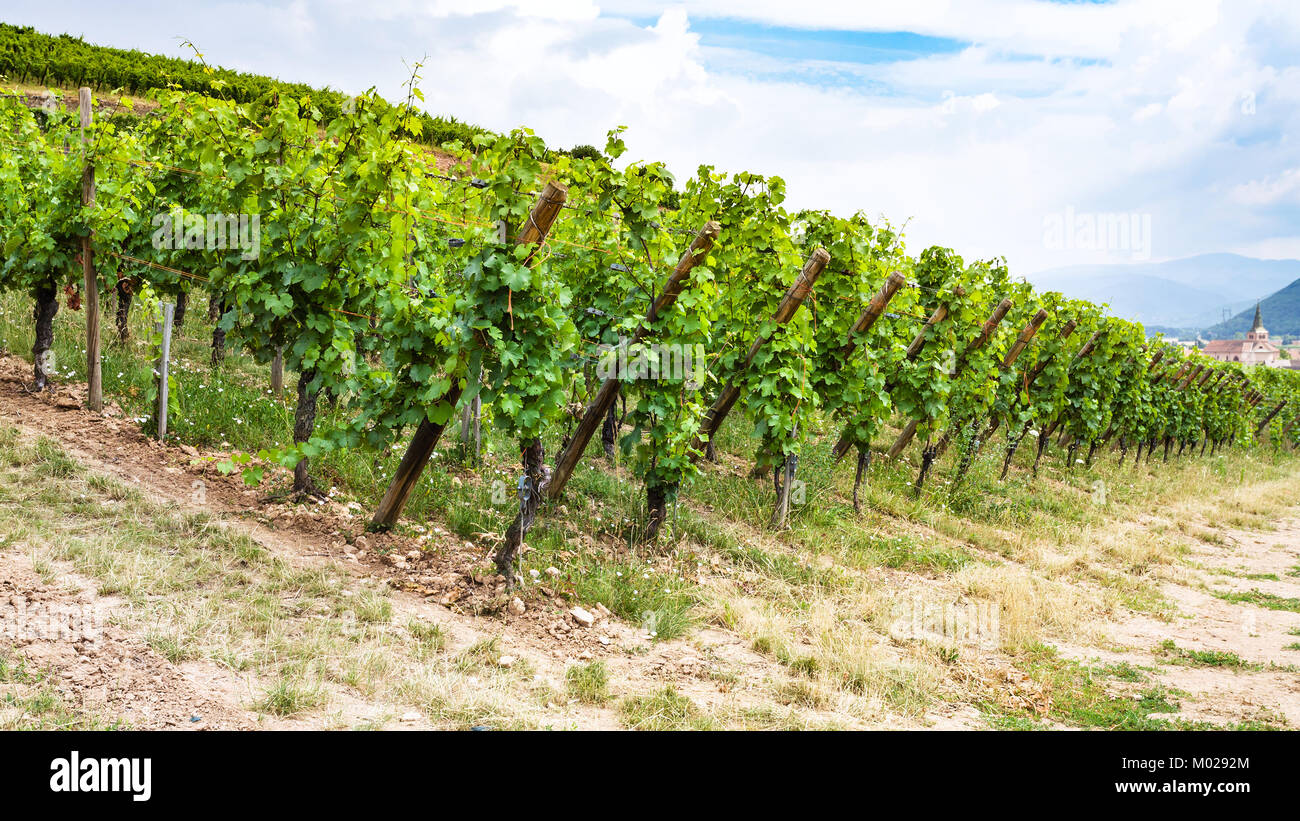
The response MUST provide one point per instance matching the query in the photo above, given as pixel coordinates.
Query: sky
(1048, 133)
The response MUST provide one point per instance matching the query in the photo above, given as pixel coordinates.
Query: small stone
(603, 610)
(517, 606)
(604, 640)
(553, 572)
(189, 450)
(413, 555)
(582, 617)
(585, 655)
(410, 718)
(506, 661)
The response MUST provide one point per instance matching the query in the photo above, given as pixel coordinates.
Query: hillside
(1181, 293)
(1280, 312)
(64, 61)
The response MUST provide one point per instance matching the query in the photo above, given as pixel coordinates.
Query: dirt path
(1236, 660)
(71, 649)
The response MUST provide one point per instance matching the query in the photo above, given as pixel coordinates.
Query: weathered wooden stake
(1191, 376)
(164, 364)
(871, 313)
(94, 374)
(1260, 428)
(913, 351)
(1155, 360)
(794, 297)
(545, 210)
(986, 333)
(594, 415)
(277, 372)
(1022, 341)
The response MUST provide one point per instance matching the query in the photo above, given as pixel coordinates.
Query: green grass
(288, 698)
(1077, 695)
(1123, 671)
(588, 683)
(430, 638)
(662, 710)
(1169, 651)
(1270, 601)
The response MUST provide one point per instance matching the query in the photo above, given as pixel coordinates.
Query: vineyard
(523, 301)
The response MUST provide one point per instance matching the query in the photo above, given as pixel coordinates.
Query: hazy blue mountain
(1280, 313)
(1194, 292)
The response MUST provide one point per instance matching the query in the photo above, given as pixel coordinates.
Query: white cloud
(1284, 187)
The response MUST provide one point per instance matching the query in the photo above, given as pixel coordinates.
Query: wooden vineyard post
(1083, 352)
(1260, 428)
(1067, 330)
(471, 435)
(94, 374)
(1178, 375)
(986, 333)
(600, 404)
(1195, 372)
(1155, 360)
(794, 297)
(1022, 341)
(277, 372)
(785, 483)
(913, 351)
(871, 313)
(164, 360)
(545, 210)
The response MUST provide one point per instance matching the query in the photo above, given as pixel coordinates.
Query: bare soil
(1266, 684)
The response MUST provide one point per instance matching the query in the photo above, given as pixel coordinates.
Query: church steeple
(1258, 333)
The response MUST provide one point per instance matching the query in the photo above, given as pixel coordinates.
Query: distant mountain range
(1186, 294)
